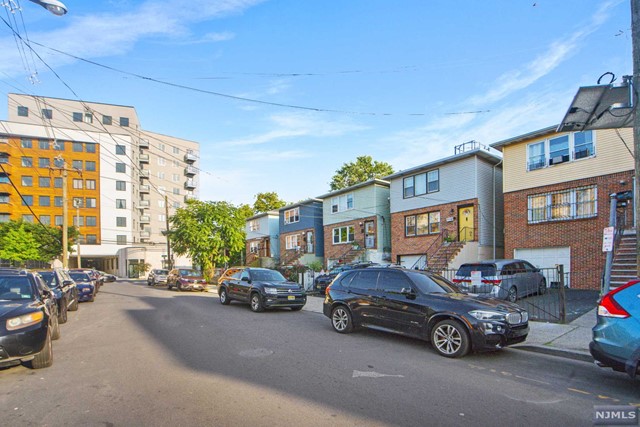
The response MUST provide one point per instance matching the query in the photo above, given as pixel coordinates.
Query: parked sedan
(106, 277)
(86, 285)
(262, 288)
(186, 279)
(64, 291)
(425, 306)
(616, 336)
(28, 320)
(507, 279)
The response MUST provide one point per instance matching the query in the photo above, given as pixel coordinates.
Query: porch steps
(625, 266)
(444, 255)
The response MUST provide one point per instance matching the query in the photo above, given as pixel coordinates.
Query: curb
(567, 354)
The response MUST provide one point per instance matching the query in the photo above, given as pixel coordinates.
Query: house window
(77, 147)
(57, 182)
(124, 122)
(57, 201)
(343, 234)
(4, 198)
(162, 217)
(342, 203)
(254, 225)
(423, 183)
(43, 144)
(176, 177)
(78, 221)
(409, 187)
(4, 158)
(91, 221)
(77, 184)
(107, 120)
(58, 145)
(23, 111)
(121, 186)
(121, 204)
(47, 113)
(90, 184)
(27, 181)
(92, 239)
(78, 202)
(121, 239)
(27, 162)
(292, 215)
(44, 162)
(121, 149)
(121, 168)
(90, 147)
(161, 203)
(91, 202)
(26, 143)
(433, 181)
(27, 200)
(77, 117)
(160, 175)
(5, 217)
(88, 118)
(161, 161)
(58, 162)
(121, 221)
(45, 219)
(254, 247)
(176, 191)
(161, 146)
(422, 224)
(76, 164)
(176, 205)
(28, 218)
(292, 242)
(176, 163)
(58, 220)
(90, 165)
(563, 205)
(44, 182)
(560, 149)
(176, 150)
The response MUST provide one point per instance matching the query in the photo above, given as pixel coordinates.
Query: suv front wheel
(450, 339)
(224, 297)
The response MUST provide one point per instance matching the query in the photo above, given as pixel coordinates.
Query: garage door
(547, 258)
(412, 261)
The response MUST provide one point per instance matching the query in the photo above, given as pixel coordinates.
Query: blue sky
(402, 81)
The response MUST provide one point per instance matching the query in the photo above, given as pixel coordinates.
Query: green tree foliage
(266, 202)
(19, 245)
(208, 232)
(48, 240)
(363, 169)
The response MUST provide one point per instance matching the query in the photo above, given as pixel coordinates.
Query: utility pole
(166, 218)
(65, 210)
(635, 40)
(77, 206)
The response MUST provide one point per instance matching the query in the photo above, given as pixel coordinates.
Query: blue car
(86, 285)
(616, 336)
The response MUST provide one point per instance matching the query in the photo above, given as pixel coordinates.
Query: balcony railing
(143, 158)
(144, 143)
(144, 173)
(145, 219)
(190, 157)
(145, 188)
(190, 184)
(144, 204)
(190, 171)
(145, 234)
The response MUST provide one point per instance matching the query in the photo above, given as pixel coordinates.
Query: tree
(266, 202)
(19, 245)
(48, 239)
(363, 169)
(208, 232)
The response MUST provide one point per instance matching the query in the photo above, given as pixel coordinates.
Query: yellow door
(465, 224)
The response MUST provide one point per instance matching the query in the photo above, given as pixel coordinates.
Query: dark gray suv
(507, 279)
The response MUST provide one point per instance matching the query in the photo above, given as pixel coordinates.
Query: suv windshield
(48, 277)
(161, 272)
(15, 288)
(486, 269)
(432, 284)
(267, 276)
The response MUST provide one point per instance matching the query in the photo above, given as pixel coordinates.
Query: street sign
(607, 239)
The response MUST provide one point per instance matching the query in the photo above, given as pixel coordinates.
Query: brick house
(448, 211)
(556, 195)
(356, 223)
(301, 234)
(263, 243)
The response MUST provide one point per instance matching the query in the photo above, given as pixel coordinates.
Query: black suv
(425, 306)
(28, 320)
(321, 282)
(64, 291)
(261, 288)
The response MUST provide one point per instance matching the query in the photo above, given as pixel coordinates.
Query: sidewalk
(569, 341)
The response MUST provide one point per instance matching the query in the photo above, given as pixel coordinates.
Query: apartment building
(122, 181)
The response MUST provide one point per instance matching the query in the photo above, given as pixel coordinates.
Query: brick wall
(418, 245)
(583, 236)
(333, 252)
(286, 255)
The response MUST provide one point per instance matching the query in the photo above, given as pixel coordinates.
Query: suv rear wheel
(450, 339)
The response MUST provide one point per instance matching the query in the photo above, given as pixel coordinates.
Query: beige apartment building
(141, 177)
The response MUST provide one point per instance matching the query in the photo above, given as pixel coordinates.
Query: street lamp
(53, 6)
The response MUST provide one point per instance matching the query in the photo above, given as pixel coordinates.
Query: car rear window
(15, 288)
(486, 269)
(80, 277)
(189, 273)
(48, 277)
(163, 272)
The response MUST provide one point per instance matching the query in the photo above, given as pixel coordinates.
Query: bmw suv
(425, 306)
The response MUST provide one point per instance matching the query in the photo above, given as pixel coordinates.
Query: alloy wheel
(447, 339)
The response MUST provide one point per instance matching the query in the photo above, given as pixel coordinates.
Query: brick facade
(263, 249)
(338, 251)
(289, 256)
(583, 236)
(418, 245)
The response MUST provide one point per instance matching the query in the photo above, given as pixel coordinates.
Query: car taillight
(328, 288)
(609, 307)
(492, 282)
(457, 280)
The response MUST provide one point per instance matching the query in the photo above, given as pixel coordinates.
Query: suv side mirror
(408, 292)
(67, 282)
(245, 279)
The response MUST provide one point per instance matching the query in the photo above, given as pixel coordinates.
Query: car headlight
(271, 291)
(487, 315)
(24, 320)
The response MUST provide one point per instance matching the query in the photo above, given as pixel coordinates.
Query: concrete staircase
(444, 255)
(625, 266)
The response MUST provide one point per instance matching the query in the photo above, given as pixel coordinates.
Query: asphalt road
(142, 356)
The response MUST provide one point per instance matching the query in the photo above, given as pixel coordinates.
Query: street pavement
(570, 341)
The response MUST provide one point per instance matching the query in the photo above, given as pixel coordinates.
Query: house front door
(466, 227)
(309, 242)
(369, 235)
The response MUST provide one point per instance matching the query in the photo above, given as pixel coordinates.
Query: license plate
(291, 297)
